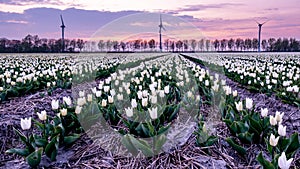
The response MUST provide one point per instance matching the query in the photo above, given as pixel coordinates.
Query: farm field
(150, 110)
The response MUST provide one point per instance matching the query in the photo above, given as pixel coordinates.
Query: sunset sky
(207, 18)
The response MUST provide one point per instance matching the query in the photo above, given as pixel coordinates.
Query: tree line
(35, 44)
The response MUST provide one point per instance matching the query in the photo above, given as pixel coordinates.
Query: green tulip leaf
(21, 152)
(34, 158)
(264, 163)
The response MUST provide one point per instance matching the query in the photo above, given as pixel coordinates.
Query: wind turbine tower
(259, 33)
(62, 34)
(160, 29)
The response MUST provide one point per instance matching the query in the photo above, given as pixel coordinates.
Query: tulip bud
(133, 103)
(239, 106)
(279, 116)
(98, 93)
(55, 104)
(103, 103)
(282, 130)
(273, 140)
(89, 98)
(67, 100)
(144, 102)
(110, 99)
(273, 121)
(81, 93)
(119, 96)
(64, 112)
(25, 123)
(264, 112)
(129, 112)
(283, 163)
(43, 115)
(249, 103)
(235, 93)
(78, 109)
(153, 113)
(167, 89)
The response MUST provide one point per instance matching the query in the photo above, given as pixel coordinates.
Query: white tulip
(206, 82)
(145, 102)
(94, 90)
(43, 115)
(189, 94)
(103, 102)
(81, 93)
(129, 112)
(133, 103)
(112, 92)
(273, 121)
(234, 93)
(98, 93)
(273, 141)
(63, 112)
(228, 90)
(239, 106)
(264, 112)
(81, 101)
(119, 96)
(25, 123)
(106, 88)
(67, 100)
(153, 113)
(145, 93)
(110, 99)
(249, 103)
(55, 104)
(223, 82)
(283, 163)
(89, 98)
(161, 94)
(215, 87)
(167, 89)
(1, 89)
(296, 89)
(100, 86)
(279, 116)
(153, 99)
(282, 130)
(78, 109)
(140, 94)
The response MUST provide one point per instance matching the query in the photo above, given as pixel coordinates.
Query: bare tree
(193, 43)
(207, 44)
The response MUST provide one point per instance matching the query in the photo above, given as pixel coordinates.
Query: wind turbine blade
(62, 21)
(255, 21)
(163, 28)
(266, 21)
(160, 19)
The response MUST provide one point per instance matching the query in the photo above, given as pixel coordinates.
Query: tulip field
(150, 110)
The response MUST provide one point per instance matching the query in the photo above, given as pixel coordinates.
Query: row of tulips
(269, 76)
(22, 75)
(68, 119)
(52, 130)
(250, 127)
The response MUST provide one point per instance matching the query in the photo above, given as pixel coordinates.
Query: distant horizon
(214, 19)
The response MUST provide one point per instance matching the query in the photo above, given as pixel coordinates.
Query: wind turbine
(62, 33)
(259, 32)
(160, 28)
